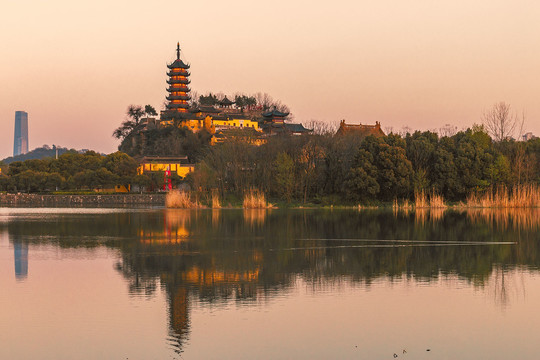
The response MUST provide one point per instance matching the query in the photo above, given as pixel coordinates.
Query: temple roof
(178, 97)
(274, 113)
(183, 89)
(297, 128)
(226, 102)
(178, 81)
(209, 109)
(177, 106)
(361, 130)
(178, 64)
(164, 159)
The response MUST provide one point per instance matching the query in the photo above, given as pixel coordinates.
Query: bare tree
(448, 130)
(322, 127)
(501, 123)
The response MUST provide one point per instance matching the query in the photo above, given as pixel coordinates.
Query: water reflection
(20, 255)
(215, 256)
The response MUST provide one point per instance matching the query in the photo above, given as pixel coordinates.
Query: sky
(75, 66)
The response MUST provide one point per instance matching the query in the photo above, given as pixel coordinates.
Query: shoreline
(158, 199)
(81, 200)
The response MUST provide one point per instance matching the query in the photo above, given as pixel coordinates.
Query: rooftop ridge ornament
(178, 51)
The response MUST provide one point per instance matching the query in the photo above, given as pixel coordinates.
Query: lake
(268, 284)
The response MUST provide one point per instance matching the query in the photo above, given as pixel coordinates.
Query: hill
(38, 153)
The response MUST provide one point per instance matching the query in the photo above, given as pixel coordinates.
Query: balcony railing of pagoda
(179, 81)
(183, 90)
(177, 106)
(178, 97)
(179, 73)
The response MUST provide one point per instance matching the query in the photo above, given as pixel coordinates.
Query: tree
(149, 110)
(284, 175)
(133, 122)
(361, 183)
(500, 122)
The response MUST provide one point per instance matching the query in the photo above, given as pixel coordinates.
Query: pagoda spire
(178, 51)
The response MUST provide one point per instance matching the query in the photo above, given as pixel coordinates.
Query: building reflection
(20, 256)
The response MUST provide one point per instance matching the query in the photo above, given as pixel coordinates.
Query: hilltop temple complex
(218, 120)
(225, 120)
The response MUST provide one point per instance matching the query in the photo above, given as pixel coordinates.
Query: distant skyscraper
(20, 141)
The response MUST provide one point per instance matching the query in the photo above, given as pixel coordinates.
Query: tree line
(329, 168)
(74, 171)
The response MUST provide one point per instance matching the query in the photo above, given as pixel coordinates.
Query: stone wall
(81, 200)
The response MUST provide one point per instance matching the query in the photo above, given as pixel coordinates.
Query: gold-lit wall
(181, 169)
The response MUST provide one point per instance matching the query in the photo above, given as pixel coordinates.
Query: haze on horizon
(75, 67)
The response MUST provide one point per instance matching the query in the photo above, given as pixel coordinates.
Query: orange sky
(75, 67)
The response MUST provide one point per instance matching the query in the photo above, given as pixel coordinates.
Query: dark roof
(182, 89)
(177, 106)
(178, 64)
(167, 115)
(178, 97)
(209, 109)
(226, 102)
(361, 130)
(237, 116)
(274, 113)
(297, 128)
(178, 81)
(151, 159)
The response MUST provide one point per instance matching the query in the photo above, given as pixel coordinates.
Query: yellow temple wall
(237, 123)
(181, 169)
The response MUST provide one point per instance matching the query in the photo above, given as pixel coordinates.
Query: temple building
(273, 123)
(360, 130)
(176, 164)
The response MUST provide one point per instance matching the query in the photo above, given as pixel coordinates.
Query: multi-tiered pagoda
(178, 86)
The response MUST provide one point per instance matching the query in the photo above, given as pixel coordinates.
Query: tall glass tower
(20, 141)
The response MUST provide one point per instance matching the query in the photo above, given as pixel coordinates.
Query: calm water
(300, 284)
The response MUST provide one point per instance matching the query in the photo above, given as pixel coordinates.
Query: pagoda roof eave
(178, 64)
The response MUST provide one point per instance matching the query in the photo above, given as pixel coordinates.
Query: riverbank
(82, 200)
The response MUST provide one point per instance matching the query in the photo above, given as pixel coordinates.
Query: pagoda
(178, 86)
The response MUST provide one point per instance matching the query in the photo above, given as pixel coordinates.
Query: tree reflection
(235, 255)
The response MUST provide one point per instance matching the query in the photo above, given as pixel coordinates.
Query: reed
(523, 196)
(216, 203)
(436, 201)
(405, 205)
(421, 200)
(255, 199)
(180, 199)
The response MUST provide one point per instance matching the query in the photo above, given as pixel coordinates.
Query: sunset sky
(75, 66)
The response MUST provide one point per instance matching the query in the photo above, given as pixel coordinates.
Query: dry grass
(180, 199)
(255, 199)
(421, 200)
(433, 201)
(404, 206)
(216, 204)
(525, 196)
(436, 201)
